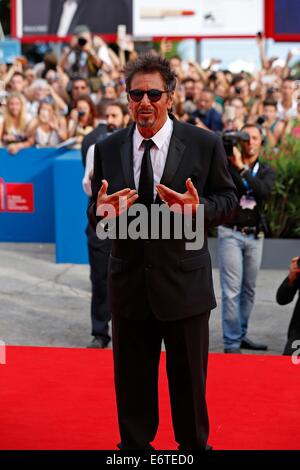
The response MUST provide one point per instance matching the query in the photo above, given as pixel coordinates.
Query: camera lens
(82, 42)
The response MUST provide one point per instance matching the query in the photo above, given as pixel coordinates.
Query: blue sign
(42, 201)
(9, 50)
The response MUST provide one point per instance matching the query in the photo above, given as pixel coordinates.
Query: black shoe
(146, 448)
(248, 344)
(98, 343)
(232, 351)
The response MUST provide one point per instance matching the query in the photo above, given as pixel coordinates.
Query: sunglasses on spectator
(153, 95)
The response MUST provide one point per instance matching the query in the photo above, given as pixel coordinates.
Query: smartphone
(121, 33)
(229, 113)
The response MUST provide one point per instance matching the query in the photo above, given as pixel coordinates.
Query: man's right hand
(119, 201)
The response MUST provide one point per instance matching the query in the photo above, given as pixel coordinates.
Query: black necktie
(146, 177)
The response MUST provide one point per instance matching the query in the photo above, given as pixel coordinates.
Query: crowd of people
(80, 97)
(62, 99)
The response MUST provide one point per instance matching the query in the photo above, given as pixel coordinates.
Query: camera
(238, 90)
(192, 120)
(81, 113)
(20, 138)
(232, 139)
(82, 42)
(200, 113)
(261, 120)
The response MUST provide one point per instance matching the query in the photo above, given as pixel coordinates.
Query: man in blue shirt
(206, 113)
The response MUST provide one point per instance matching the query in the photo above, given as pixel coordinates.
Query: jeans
(239, 261)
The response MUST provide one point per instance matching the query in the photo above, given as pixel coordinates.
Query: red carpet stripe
(53, 398)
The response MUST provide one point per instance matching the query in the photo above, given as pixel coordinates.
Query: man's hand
(120, 201)
(294, 270)
(171, 197)
(236, 159)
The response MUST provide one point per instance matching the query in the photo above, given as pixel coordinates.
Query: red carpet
(54, 398)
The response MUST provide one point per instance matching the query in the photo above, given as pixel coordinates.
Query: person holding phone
(49, 128)
(285, 294)
(82, 120)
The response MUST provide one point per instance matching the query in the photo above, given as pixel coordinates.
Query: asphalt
(47, 304)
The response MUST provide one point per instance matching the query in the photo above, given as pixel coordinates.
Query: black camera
(192, 120)
(261, 120)
(238, 90)
(232, 139)
(82, 42)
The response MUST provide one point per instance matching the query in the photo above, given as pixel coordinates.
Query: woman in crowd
(82, 119)
(274, 127)
(49, 128)
(14, 124)
(234, 114)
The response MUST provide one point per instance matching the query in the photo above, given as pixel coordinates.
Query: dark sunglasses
(153, 95)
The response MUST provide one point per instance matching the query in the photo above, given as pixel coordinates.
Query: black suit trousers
(137, 348)
(99, 251)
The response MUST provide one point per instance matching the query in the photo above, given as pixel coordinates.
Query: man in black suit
(101, 16)
(116, 117)
(158, 289)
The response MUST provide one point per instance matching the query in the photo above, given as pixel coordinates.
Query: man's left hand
(236, 159)
(171, 197)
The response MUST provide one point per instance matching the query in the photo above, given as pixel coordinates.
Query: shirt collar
(159, 138)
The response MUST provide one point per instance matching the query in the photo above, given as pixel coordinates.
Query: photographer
(241, 241)
(285, 294)
(82, 58)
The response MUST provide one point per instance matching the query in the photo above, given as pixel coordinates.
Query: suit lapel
(126, 151)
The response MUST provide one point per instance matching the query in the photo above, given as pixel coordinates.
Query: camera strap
(254, 172)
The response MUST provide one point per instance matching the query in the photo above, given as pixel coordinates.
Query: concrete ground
(48, 304)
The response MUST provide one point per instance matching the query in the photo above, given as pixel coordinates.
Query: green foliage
(282, 210)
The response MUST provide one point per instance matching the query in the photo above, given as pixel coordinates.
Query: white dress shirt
(158, 153)
(69, 10)
(89, 166)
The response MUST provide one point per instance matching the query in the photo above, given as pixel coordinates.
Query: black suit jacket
(161, 275)
(101, 16)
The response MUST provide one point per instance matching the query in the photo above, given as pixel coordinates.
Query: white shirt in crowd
(290, 113)
(89, 165)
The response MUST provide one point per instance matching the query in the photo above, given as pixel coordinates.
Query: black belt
(246, 230)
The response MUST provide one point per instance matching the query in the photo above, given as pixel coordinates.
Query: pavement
(47, 304)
